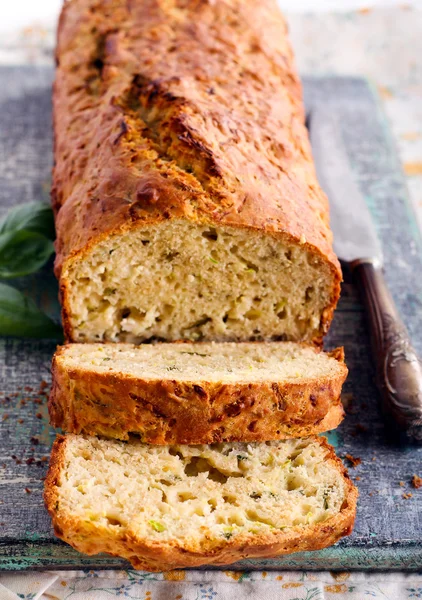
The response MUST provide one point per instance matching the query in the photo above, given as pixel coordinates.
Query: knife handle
(398, 368)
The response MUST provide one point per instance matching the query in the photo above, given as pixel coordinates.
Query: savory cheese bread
(184, 393)
(163, 507)
(186, 200)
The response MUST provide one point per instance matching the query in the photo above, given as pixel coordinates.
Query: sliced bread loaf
(165, 507)
(197, 393)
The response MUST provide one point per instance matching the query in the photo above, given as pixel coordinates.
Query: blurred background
(381, 40)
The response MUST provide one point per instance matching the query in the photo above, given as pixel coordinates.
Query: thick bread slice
(187, 204)
(165, 507)
(197, 393)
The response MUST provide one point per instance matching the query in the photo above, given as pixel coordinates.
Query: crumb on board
(401, 483)
(359, 428)
(27, 490)
(347, 399)
(358, 478)
(407, 495)
(416, 482)
(353, 460)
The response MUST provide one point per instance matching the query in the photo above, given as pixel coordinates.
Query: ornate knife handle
(398, 368)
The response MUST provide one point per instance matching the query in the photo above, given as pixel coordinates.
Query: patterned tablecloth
(384, 44)
(209, 585)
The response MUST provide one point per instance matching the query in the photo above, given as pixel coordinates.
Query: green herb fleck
(157, 526)
(108, 291)
(196, 354)
(228, 532)
(256, 495)
(241, 457)
(212, 259)
(107, 358)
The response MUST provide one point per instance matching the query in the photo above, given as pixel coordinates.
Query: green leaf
(20, 316)
(33, 216)
(23, 252)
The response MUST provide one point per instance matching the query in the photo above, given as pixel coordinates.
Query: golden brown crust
(178, 412)
(181, 110)
(91, 538)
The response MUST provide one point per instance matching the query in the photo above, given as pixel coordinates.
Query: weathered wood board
(388, 532)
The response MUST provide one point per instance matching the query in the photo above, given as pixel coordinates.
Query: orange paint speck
(411, 135)
(174, 575)
(236, 575)
(336, 589)
(385, 92)
(413, 168)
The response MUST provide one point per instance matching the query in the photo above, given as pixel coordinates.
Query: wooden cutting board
(388, 531)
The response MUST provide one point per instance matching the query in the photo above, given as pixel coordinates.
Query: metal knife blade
(398, 368)
(355, 237)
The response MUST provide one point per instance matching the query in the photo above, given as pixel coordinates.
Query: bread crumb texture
(228, 362)
(196, 500)
(183, 281)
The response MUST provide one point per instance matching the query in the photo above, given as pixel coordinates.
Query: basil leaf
(33, 216)
(20, 316)
(23, 252)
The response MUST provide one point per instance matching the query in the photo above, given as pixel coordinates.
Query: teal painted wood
(388, 531)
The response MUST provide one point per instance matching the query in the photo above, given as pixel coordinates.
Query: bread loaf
(163, 507)
(200, 393)
(186, 200)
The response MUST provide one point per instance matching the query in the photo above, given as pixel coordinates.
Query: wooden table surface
(388, 529)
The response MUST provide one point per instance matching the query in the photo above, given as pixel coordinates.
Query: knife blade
(355, 235)
(398, 368)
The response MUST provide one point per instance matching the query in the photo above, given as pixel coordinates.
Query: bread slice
(187, 393)
(164, 507)
(187, 204)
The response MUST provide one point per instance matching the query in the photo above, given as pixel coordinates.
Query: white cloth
(210, 585)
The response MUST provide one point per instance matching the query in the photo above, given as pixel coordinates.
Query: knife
(398, 368)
